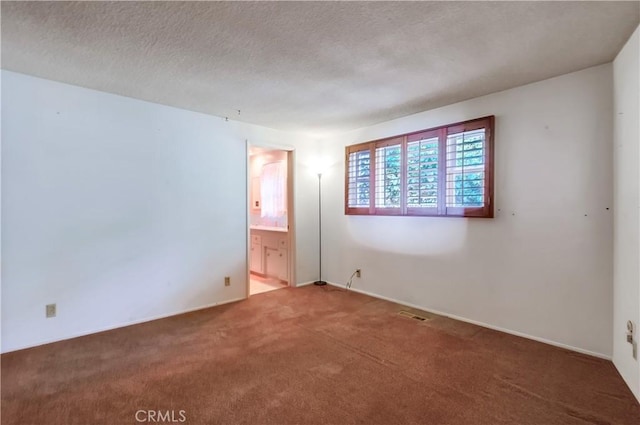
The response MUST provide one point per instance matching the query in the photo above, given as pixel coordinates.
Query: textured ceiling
(310, 66)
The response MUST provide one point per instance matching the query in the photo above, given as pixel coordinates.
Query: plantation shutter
(442, 171)
(359, 175)
(423, 173)
(388, 176)
(467, 171)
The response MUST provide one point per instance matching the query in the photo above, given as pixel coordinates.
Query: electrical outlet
(50, 310)
(632, 340)
(358, 273)
(227, 281)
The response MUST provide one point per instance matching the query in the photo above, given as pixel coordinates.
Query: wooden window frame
(442, 210)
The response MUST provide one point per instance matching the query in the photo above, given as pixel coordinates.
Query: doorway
(270, 225)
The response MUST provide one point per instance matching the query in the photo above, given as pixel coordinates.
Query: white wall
(626, 286)
(543, 266)
(118, 210)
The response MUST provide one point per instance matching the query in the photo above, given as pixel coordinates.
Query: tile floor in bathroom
(259, 284)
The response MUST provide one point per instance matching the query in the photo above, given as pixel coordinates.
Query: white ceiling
(310, 66)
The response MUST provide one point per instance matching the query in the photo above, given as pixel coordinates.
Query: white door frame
(291, 235)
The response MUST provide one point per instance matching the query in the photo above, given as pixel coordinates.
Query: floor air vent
(409, 315)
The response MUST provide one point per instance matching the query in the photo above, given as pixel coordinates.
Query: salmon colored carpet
(313, 355)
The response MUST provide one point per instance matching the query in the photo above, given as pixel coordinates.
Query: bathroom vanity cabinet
(269, 252)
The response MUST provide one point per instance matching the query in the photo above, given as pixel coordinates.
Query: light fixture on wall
(320, 282)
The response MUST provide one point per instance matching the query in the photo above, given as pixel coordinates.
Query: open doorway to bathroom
(270, 259)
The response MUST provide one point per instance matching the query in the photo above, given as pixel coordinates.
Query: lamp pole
(320, 282)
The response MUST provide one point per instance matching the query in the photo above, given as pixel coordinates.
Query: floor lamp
(320, 282)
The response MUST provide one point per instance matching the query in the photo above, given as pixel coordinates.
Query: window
(444, 171)
(273, 190)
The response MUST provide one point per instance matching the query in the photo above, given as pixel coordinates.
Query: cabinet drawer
(283, 243)
(256, 239)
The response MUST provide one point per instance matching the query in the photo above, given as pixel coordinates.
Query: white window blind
(388, 175)
(359, 173)
(466, 169)
(441, 171)
(422, 173)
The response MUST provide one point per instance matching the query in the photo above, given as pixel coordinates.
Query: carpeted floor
(313, 355)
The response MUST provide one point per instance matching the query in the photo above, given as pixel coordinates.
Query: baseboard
(484, 325)
(305, 283)
(635, 391)
(124, 325)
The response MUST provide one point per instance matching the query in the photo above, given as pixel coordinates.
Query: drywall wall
(626, 282)
(118, 210)
(543, 266)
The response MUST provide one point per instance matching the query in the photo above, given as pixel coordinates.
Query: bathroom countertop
(269, 228)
